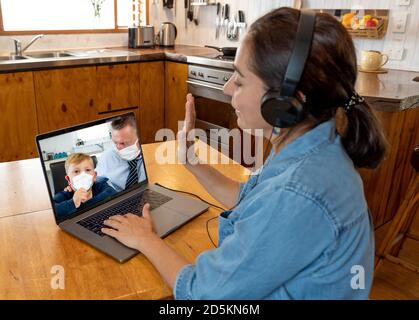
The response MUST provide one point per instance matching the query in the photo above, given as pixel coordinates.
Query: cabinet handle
(118, 110)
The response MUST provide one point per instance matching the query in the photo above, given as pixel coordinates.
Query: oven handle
(208, 86)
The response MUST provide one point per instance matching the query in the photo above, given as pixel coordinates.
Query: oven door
(214, 111)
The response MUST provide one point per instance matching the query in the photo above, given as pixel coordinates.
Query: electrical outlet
(399, 22)
(404, 2)
(395, 53)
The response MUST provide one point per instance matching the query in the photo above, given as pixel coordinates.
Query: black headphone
(281, 108)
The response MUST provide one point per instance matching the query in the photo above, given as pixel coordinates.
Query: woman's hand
(188, 125)
(132, 230)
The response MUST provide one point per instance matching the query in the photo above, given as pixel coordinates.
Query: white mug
(373, 60)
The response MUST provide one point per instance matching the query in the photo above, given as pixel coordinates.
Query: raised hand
(188, 125)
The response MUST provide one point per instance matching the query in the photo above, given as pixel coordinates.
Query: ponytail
(363, 138)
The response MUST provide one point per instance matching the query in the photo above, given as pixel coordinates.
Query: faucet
(18, 44)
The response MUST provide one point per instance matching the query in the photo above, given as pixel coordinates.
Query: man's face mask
(83, 180)
(129, 153)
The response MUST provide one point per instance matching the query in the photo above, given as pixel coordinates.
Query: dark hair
(328, 80)
(123, 121)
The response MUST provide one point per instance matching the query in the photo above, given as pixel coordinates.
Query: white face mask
(83, 180)
(129, 153)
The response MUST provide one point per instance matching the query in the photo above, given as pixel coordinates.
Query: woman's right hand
(188, 125)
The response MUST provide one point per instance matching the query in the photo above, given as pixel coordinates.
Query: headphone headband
(300, 53)
(280, 107)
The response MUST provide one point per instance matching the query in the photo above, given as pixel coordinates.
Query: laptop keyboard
(131, 205)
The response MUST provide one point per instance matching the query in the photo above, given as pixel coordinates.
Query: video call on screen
(90, 165)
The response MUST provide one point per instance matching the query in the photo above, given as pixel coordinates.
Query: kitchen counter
(105, 56)
(394, 91)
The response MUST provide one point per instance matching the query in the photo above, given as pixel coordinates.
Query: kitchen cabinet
(151, 111)
(176, 89)
(118, 87)
(65, 97)
(18, 125)
(386, 186)
(41, 101)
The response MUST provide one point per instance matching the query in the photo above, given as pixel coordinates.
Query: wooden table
(31, 242)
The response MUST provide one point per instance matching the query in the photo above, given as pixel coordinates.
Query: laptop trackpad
(166, 220)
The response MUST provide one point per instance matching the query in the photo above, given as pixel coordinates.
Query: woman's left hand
(132, 230)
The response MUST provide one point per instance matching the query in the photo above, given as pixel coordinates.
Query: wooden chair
(402, 221)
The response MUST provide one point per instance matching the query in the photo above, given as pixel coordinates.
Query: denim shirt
(301, 230)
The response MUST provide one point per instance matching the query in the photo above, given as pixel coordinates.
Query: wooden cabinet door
(391, 178)
(65, 97)
(18, 122)
(118, 87)
(151, 111)
(175, 94)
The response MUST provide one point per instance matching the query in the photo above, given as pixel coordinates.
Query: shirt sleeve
(276, 237)
(64, 204)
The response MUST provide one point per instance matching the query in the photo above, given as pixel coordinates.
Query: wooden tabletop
(32, 244)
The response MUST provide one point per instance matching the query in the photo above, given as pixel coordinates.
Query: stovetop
(212, 60)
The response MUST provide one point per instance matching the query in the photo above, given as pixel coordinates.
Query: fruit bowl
(372, 27)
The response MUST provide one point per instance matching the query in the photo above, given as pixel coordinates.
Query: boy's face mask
(129, 153)
(83, 180)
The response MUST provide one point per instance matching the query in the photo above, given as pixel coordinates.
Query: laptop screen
(90, 164)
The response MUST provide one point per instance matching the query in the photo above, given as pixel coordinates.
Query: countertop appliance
(141, 37)
(167, 34)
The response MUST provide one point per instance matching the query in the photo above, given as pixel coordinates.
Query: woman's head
(327, 82)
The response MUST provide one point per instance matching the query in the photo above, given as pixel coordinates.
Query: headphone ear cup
(281, 111)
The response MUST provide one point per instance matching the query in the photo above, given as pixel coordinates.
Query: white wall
(204, 33)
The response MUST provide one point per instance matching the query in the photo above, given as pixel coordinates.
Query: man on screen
(123, 163)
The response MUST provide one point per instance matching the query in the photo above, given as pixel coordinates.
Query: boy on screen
(86, 187)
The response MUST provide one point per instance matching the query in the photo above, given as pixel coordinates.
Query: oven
(213, 108)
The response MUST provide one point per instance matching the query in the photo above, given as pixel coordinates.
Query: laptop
(94, 140)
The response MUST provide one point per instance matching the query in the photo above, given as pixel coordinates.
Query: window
(26, 16)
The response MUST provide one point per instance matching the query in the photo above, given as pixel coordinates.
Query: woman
(300, 229)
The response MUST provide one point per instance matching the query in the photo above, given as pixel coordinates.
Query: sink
(10, 58)
(43, 55)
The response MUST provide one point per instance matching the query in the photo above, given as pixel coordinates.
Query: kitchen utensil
(186, 13)
(241, 16)
(230, 29)
(226, 16)
(217, 21)
(222, 20)
(167, 34)
(226, 51)
(141, 37)
(168, 4)
(195, 15)
(190, 12)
